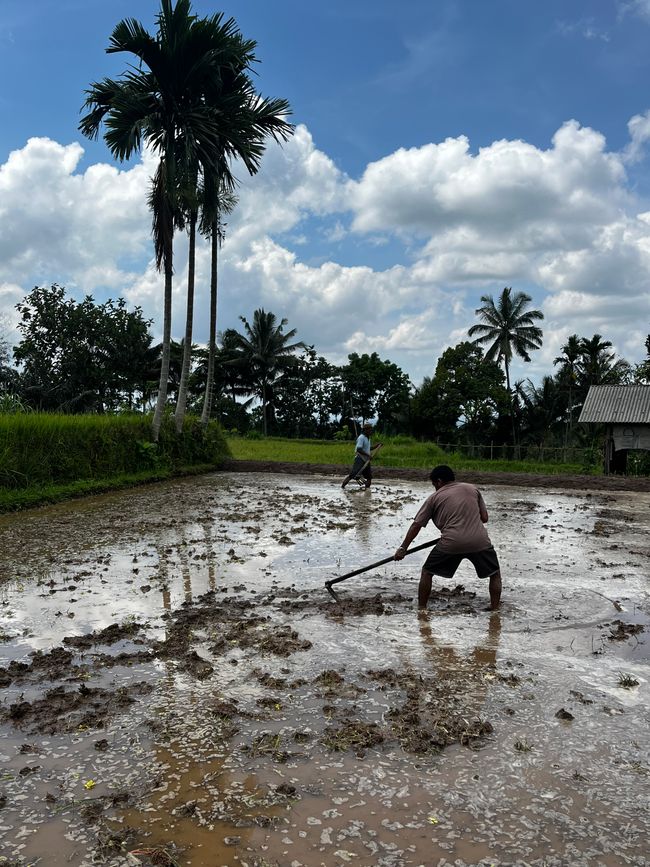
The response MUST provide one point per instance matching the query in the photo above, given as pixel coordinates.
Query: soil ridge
(477, 477)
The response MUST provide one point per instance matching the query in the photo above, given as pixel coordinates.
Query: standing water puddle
(179, 688)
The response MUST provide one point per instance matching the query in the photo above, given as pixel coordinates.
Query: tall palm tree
(508, 327)
(265, 352)
(189, 98)
(160, 102)
(254, 120)
(245, 122)
(219, 200)
(568, 375)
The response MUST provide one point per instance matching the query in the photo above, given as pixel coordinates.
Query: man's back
(455, 509)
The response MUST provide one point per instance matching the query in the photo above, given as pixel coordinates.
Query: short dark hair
(442, 473)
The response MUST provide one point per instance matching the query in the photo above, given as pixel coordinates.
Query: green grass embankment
(46, 457)
(396, 452)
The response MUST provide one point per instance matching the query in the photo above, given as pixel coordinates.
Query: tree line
(80, 356)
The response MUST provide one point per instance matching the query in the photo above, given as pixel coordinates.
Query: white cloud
(559, 222)
(585, 27)
(508, 187)
(57, 225)
(639, 129)
(637, 7)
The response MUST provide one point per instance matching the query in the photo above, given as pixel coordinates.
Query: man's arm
(411, 533)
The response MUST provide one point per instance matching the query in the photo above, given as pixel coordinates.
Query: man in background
(362, 457)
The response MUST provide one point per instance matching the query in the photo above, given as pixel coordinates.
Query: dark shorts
(356, 469)
(441, 563)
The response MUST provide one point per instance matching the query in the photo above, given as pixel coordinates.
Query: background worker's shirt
(455, 509)
(363, 445)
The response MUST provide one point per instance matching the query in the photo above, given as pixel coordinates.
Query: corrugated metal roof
(617, 404)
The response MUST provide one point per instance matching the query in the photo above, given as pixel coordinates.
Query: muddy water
(178, 688)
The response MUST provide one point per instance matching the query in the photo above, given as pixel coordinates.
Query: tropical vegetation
(80, 357)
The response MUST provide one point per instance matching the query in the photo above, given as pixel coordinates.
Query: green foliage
(77, 356)
(306, 396)
(264, 351)
(41, 449)
(373, 387)
(508, 327)
(464, 398)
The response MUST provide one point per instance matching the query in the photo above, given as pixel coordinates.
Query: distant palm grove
(187, 94)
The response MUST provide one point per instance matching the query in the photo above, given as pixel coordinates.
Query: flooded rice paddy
(179, 689)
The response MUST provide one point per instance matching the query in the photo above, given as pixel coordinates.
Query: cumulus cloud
(559, 222)
(56, 223)
(437, 188)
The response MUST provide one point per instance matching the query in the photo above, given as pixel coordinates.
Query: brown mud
(178, 688)
(476, 477)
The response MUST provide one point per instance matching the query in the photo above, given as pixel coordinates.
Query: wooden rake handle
(383, 562)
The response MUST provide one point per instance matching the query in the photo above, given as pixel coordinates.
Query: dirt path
(178, 688)
(519, 480)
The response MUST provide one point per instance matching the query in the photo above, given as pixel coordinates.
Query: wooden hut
(625, 411)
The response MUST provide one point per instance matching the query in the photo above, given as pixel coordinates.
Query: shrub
(50, 449)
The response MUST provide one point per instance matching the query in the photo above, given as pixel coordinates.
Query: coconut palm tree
(265, 353)
(597, 366)
(543, 408)
(568, 376)
(507, 328)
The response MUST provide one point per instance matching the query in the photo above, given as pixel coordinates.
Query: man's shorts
(356, 469)
(444, 564)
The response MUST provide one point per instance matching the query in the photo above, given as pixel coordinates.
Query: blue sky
(443, 150)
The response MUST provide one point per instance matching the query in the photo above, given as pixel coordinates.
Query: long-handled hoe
(328, 584)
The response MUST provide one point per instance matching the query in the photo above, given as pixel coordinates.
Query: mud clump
(357, 736)
(52, 665)
(564, 714)
(196, 665)
(621, 631)
(62, 710)
(109, 635)
(247, 635)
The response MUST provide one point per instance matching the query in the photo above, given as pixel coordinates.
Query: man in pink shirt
(459, 512)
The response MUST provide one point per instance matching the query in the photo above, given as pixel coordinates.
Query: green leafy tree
(466, 396)
(304, 396)
(507, 328)
(373, 387)
(264, 351)
(76, 356)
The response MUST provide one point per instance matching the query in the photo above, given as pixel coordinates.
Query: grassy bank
(396, 452)
(46, 457)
